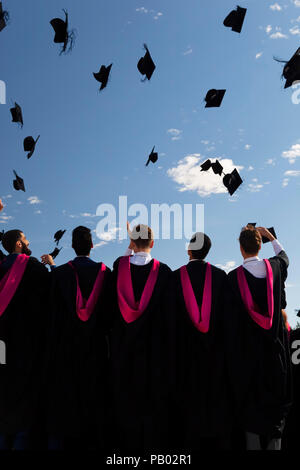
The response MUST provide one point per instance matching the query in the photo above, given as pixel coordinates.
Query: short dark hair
(10, 239)
(206, 245)
(142, 236)
(250, 240)
(82, 241)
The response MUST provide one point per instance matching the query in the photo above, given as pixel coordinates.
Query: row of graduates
(141, 357)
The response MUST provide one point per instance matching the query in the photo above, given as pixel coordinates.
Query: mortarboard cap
(217, 168)
(232, 181)
(62, 34)
(291, 70)
(146, 65)
(55, 252)
(235, 19)
(29, 145)
(4, 17)
(214, 98)
(16, 114)
(206, 165)
(272, 231)
(102, 75)
(18, 183)
(153, 157)
(58, 235)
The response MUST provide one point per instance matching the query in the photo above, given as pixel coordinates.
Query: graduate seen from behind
(258, 342)
(137, 345)
(77, 349)
(198, 299)
(23, 288)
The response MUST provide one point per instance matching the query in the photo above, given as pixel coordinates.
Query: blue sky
(93, 147)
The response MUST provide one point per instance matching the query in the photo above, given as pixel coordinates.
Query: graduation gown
(201, 400)
(138, 365)
(77, 356)
(22, 330)
(260, 363)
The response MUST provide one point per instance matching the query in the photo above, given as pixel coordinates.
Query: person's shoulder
(116, 263)
(36, 264)
(218, 271)
(165, 268)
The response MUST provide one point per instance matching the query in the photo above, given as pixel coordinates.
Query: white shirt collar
(252, 258)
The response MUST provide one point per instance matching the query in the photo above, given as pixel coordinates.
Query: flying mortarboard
(58, 235)
(146, 65)
(29, 145)
(153, 157)
(214, 98)
(272, 231)
(206, 165)
(291, 70)
(4, 17)
(102, 75)
(62, 33)
(16, 114)
(235, 19)
(55, 252)
(232, 181)
(18, 183)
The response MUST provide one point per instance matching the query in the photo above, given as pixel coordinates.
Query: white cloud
(285, 182)
(292, 154)
(110, 235)
(88, 214)
(247, 147)
(295, 31)
(278, 35)
(98, 245)
(5, 218)
(276, 7)
(188, 51)
(268, 29)
(175, 133)
(292, 173)
(270, 161)
(189, 178)
(258, 55)
(38, 212)
(255, 187)
(142, 10)
(296, 3)
(34, 200)
(228, 266)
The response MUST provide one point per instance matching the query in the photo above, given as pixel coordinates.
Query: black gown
(76, 368)
(22, 329)
(139, 389)
(260, 362)
(201, 396)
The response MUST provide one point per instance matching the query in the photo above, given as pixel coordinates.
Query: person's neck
(143, 250)
(83, 256)
(246, 256)
(16, 253)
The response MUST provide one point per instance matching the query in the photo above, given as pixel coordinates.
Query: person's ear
(152, 244)
(189, 254)
(92, 246)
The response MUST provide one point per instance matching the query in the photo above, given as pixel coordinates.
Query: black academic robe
(201, 398)
(260, 363)
(137, 366)
(77, 354)
(2, 256)
(22, 330)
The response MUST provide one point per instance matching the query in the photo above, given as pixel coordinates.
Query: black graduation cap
(16, 113)
(102, 75)
(153, 157)
(62, 33)
(146, 65)
(217, 168)
(4, 17)
(291, 70)
(235, 19)
(232, 181)
(58, 235)
(29, 145)
(18, 183)
(55, 252)
(298, 313)
(214, 98)
(206, 165)
(272, 231)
